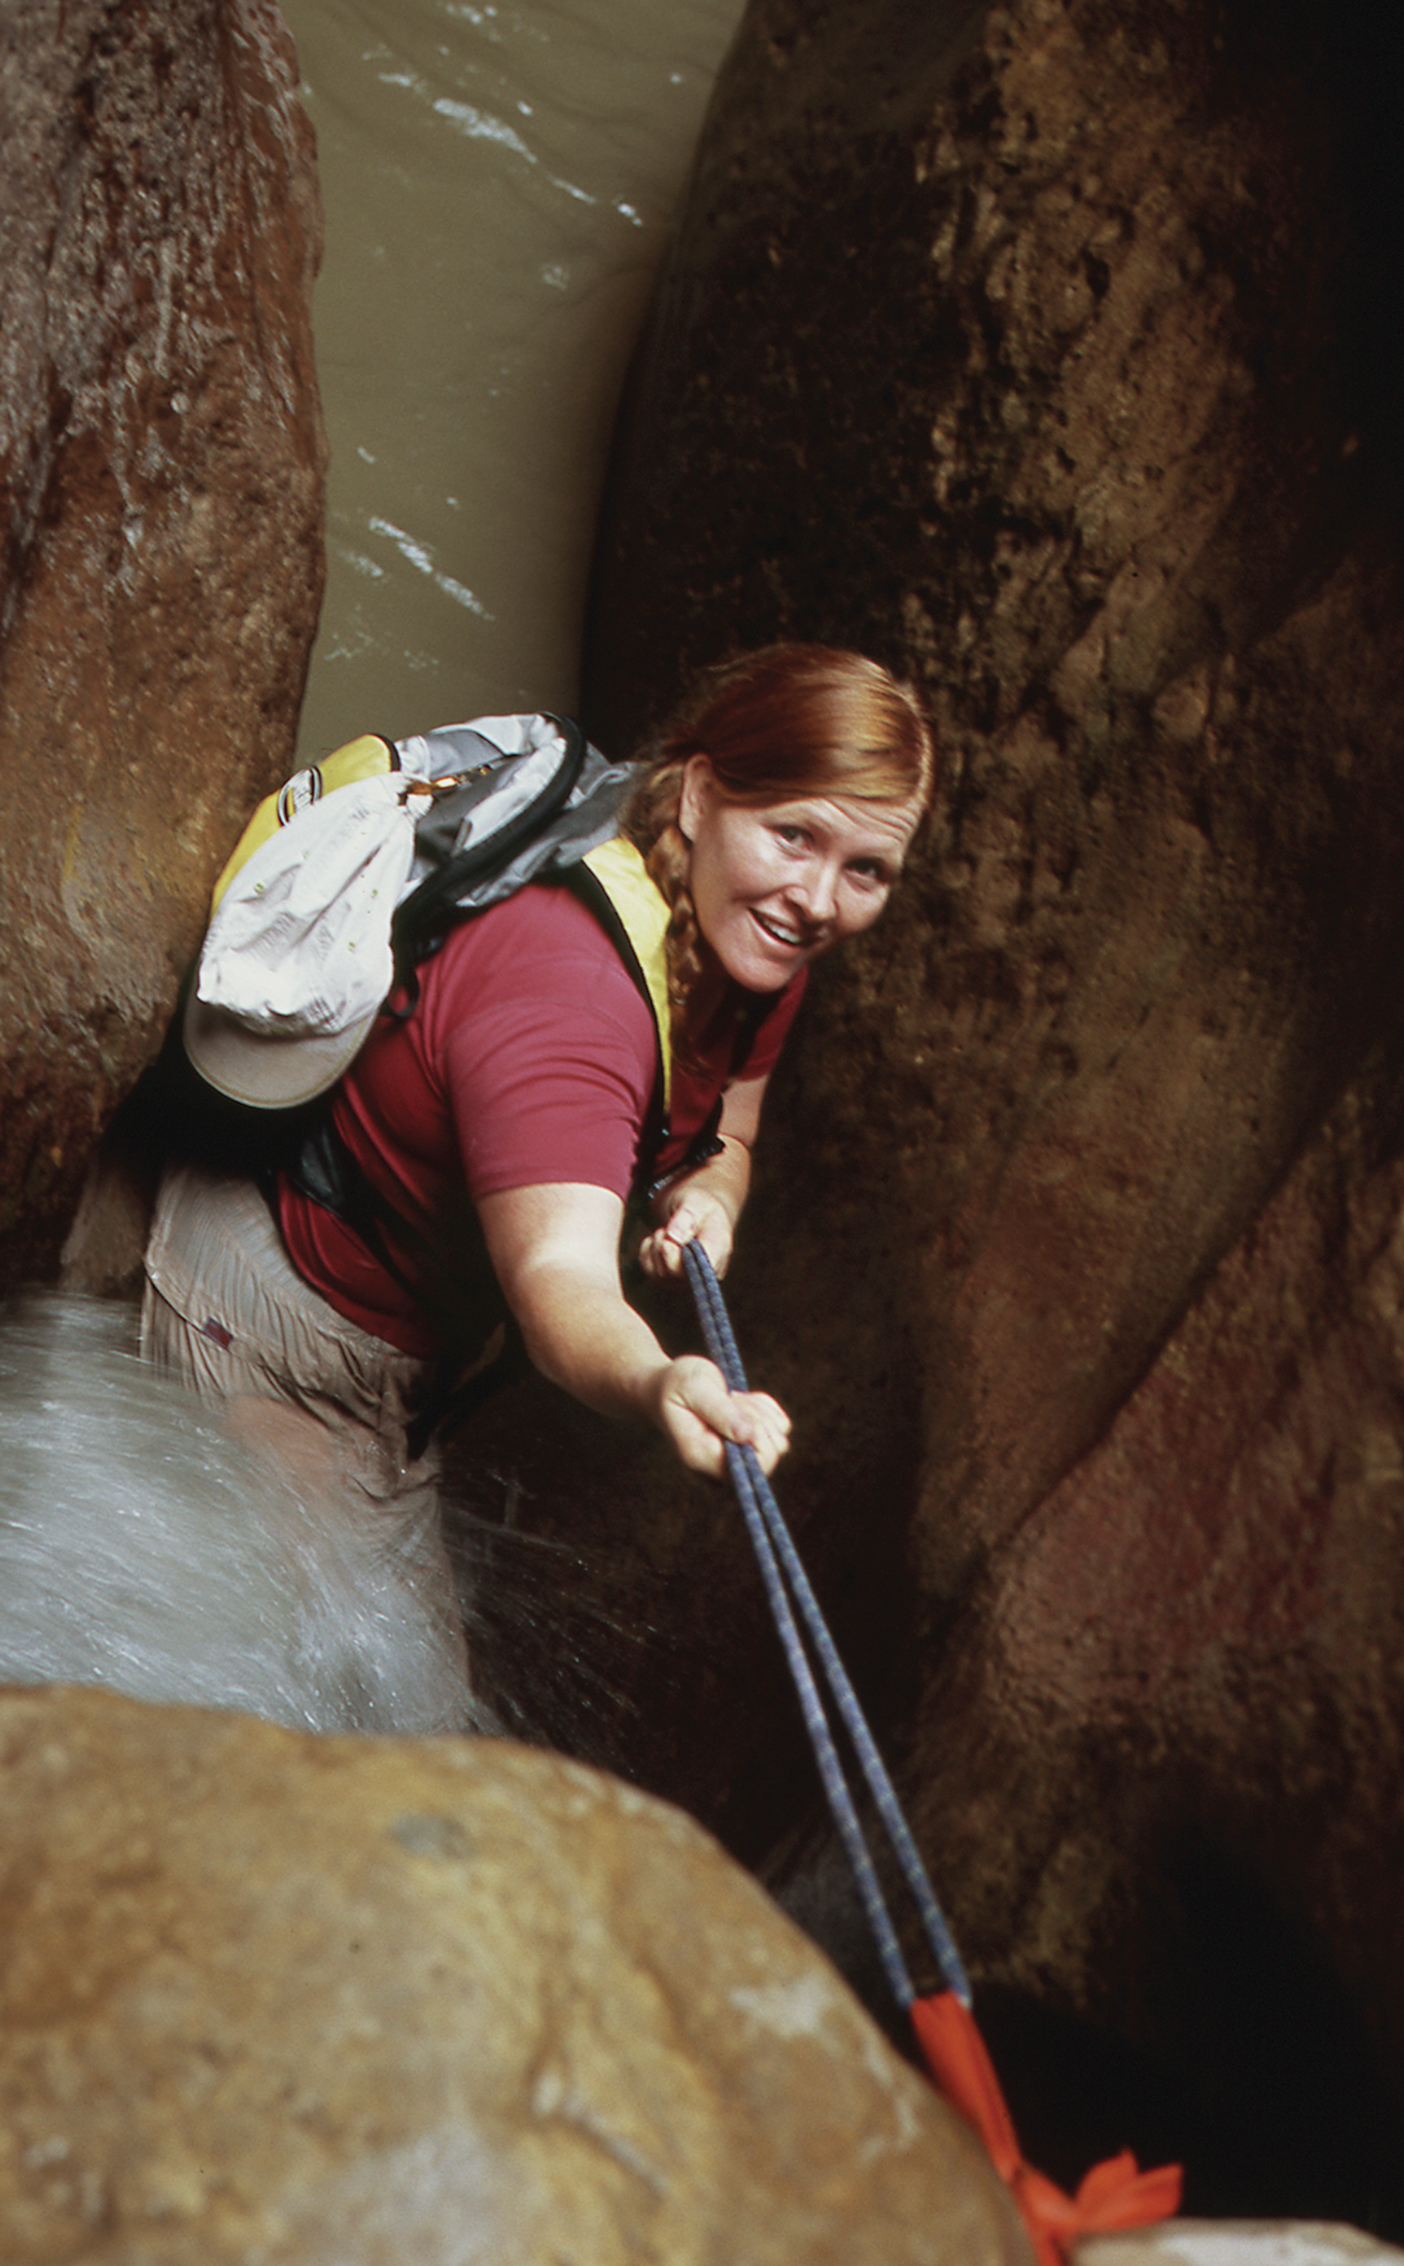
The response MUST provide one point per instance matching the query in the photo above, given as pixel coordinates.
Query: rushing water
(140, 1549)
(498, 182)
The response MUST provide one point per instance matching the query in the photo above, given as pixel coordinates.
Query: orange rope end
(1113, 2195)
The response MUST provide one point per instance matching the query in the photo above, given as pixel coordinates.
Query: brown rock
(1185, 1679)
(1239, 2242)
(161, 460)
(275, 1998)
(1043, 350)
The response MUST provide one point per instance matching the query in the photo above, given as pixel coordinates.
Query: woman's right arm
(555, 1251)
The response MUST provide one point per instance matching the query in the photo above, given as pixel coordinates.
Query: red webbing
(1114, 2194)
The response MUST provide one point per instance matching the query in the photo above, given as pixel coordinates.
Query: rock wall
(161, 465)
(1043, 351)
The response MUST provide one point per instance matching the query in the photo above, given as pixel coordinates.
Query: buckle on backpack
(434, 790)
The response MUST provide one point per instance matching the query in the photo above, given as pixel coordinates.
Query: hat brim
(265, 1073)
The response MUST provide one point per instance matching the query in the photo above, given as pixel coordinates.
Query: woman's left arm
(707, 1202)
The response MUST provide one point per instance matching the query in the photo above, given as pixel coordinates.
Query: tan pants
(326, 1404)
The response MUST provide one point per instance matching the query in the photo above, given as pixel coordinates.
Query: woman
(502, 1125)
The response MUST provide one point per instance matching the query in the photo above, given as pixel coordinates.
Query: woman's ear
(699, 782)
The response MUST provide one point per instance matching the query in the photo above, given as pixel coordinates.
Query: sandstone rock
(1127, 540)
(161, 459)
(1041, 349)
(1240, 2242)
(274, 1998)
(1184, 1679)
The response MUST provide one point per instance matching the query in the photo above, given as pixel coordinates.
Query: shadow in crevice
(1252, 2064)
(1260, 2075)
(1293, 2110)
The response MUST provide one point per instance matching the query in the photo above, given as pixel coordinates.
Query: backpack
(354, 872)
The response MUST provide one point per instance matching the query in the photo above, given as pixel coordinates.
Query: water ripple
(418, 555)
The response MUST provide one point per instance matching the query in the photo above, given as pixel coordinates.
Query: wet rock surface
(276, 1997)
(161, 460)
(1042, 351)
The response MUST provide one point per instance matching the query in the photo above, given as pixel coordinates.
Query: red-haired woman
(504, 1125)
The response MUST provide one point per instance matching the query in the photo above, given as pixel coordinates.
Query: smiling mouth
(791, 939)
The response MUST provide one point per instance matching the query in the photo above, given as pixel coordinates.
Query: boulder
(1041, 350)
(1240, 2242)
(161, 462)
(275, 1997)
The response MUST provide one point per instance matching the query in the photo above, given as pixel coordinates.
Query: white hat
(297, 960)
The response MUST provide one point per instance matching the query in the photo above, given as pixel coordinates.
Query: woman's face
(776, 885)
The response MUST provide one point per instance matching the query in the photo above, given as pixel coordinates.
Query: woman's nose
(817, 892)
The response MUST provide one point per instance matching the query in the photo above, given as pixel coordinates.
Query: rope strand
(780, 1564)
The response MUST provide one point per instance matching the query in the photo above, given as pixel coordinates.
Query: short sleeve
(546, 1050)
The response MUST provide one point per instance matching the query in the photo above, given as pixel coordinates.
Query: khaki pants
(327, 1405)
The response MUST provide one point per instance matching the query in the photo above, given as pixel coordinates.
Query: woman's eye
(793, 835)
(868, 870)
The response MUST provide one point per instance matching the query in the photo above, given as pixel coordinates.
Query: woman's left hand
(697, 1214)
(707, 1202)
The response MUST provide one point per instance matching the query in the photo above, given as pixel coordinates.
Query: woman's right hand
(555, 1251)
(698, 1412)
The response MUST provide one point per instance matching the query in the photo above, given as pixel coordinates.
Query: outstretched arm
(707, 1203)
(555, 1250)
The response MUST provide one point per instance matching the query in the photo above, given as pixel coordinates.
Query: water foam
(142, 1550)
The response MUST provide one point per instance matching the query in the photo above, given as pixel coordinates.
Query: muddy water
(498, 182)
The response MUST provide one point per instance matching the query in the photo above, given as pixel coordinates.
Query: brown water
(498, 182)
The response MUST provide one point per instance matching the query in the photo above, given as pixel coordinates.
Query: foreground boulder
(290, 1999)
(161, 467)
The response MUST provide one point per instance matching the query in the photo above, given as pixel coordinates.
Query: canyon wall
(1047, 352)
(161, 468)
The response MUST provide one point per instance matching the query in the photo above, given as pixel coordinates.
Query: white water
(139, 1549)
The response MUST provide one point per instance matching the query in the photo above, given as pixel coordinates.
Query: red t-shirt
(529, 1060)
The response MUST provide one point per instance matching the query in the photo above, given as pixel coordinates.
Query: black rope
(780, 1565)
